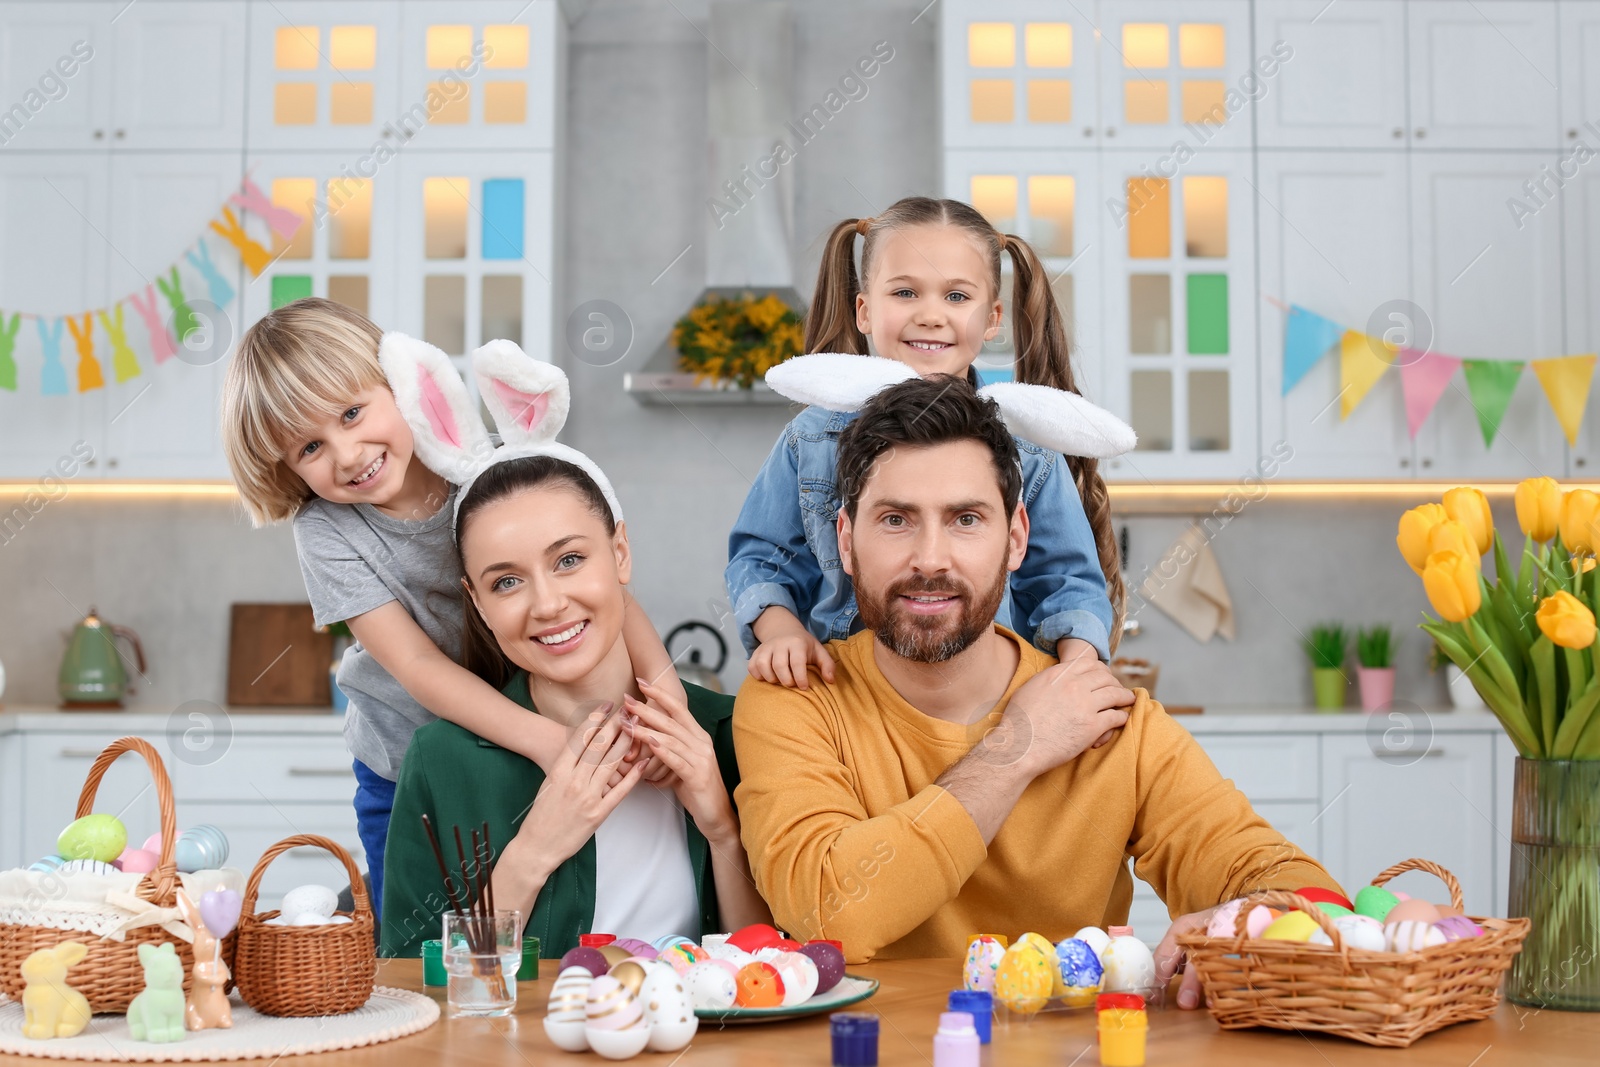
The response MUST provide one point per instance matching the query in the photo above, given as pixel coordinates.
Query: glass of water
(481, 956)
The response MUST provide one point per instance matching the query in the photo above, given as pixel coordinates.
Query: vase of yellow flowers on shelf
(1527, 642)
(733, 340)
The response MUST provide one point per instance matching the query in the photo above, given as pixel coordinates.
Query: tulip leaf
(1527, 574)
(1505, 696)
(1514, 620)
(1503, 573)
(1573, 722)
(1586, 745)
(1577, 674)
(1542, 655)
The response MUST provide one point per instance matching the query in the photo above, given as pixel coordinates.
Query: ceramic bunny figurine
(208, 1006)
(50, 1007)
(156, 1014)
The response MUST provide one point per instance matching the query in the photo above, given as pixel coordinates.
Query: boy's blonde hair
(298, 365)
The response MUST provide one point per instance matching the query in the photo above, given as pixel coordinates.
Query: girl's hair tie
(863, 225)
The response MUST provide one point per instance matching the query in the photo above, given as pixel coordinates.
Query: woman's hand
(577, 794)
(672, 735)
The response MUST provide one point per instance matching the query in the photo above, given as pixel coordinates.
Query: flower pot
(1377, 687)
(1463, 694)
(1555, 882)
(1328, 685)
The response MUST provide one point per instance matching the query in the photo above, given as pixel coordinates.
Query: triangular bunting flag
(1566, 385)
(1423, 377)
(1306, 339)
(1490, 383)
(1362, 361)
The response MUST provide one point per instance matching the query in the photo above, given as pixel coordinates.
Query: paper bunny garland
(527, 398)
(1054, 418)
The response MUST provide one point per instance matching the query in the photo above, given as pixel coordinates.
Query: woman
(590, 847)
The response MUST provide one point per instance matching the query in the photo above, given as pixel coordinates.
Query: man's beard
(930, 638)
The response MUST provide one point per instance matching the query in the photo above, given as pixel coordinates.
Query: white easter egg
(311, 900)
(668, 1009)
(618, 1044)
(308, 918)
(710, 986)
(1098, 939)
(1356, 931)
(1129, 966)
(568, 1035)
(565, 1020)
(724, 951)
(1412, 935)
(800, 977)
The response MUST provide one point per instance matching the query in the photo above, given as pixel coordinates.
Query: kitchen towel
(1187, 584)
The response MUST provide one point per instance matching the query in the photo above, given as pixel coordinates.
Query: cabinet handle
(1399, 133)
(1111, 131)
(1580, 461)
(1421, 133)
(1428, 754)
(79, 753)
(1427, 463)
(1404, 463)
(90, 463)
(120, 134)
(318, 772)
(1572, 135)
(1088, 131)
(111, 462)
(99, 135)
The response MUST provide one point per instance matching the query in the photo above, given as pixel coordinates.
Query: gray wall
(634, 197)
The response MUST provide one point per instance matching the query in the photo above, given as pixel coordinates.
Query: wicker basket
(1380, 998)
(110, 975)
(305, 970)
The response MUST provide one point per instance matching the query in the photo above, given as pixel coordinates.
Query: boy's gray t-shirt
(355, 558)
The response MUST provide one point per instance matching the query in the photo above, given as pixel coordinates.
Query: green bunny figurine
(156, 1014)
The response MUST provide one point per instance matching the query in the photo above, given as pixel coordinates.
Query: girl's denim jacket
(784, 548)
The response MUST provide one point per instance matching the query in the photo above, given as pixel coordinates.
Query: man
(948, 782)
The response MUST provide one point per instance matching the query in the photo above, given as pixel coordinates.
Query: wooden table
(909, 1001)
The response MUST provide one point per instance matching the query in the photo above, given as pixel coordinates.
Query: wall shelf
(660, 389)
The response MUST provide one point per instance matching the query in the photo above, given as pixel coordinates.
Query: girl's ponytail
(831, 319)
(1044, 358)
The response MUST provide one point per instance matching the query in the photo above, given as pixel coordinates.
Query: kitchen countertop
(139, 720)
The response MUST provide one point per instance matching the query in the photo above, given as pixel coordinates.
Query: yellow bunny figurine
(50, 1007)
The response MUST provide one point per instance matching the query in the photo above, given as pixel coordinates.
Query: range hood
(749, 191)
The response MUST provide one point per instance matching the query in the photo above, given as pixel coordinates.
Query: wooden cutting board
(276, 657)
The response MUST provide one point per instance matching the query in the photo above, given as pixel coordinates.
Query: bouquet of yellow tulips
(1526, 640)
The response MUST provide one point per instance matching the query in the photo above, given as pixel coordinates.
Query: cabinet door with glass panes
(1580, 209)
(1050, 200)
(476, 234)
(1176, 73)
(325, 76)
(346, 248)
(1018, 75)
(1178, 267)
(163, 423)
(489, 70)
(52, 264)
(1483, 73)
(1351, 266)
(1342, 83)
(1491, 285)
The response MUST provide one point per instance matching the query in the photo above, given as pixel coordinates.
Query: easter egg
(1446, 910)
(983, 959)
(612, 953)
(1224, 920)
(1129, 966)
(1375, 901)
(86, 867)
(629, 973)
(1412, 935)
(1024, 978)
(1328, 908)
(751, 938)
(769, 954)
(1259, 918)
(668, 1009)
(683, 955)
(587, 958)
(711, 988)
(1412, 911)
(137, 860)
(93, 837)
(634, 947)
(566, 1012)
(1295, 926)
(309, 900)
(760, 986)
(800, 977)
(1318, 895)
(1456, 927)
(610, 1005)
(830, 963)
(664, 940)
(732, 953)
(1097, 938)
(1356, 931)
(1042, 943)
(1077, 964)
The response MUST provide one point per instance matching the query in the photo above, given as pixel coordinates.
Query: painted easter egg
(1078, 964)
(136, 861)
(800, 977)
(760, 986)
(93, 837)
(1129, 966)
(588, 958)
(610, 1005)
(829, 960)
(1356, 931)
(1293, 926)
(683, 955)
(1412, 911)
(634, 947)
(710, 986)
(1412, 936)
(983, 959)
(1318, 895)
(756, 936)
(1024, 978)
(668, 1009)
(1375, 902)
(1456, 927)
(629, 972)
(566, 1013)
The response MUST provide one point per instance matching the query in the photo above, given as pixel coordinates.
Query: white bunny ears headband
(528, 400)
(1054, 418)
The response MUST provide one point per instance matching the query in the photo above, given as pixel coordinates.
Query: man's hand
(1059, 713)
(1169, 957)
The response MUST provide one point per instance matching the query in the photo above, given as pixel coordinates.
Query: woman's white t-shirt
(644, 882)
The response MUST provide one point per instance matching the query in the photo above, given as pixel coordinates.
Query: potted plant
(1326, 647)
(1457, 688)
(1527, 642)
(733, 342)
(1375, 649)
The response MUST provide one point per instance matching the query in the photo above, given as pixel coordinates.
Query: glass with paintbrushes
(482, 947)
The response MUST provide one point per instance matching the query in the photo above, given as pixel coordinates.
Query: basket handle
(1282, 898)
(358, 888)
(1457, 901)
(157, 885)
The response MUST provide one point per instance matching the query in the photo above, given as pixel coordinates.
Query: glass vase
(1555, 883)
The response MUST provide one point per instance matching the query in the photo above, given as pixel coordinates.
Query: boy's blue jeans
(374, 801)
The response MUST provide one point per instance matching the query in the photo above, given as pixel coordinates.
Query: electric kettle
(92, 674)
(689, 667)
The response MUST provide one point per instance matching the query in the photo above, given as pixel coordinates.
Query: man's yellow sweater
(849, 838)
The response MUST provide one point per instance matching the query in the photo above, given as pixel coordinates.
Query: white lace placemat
(389, 1014)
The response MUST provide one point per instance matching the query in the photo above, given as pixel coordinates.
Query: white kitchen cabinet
(1580, 73)
(1483, 73)
(55, 64)
(11, 819)
(1491, 285)
(1348, 266)
(1505, 776)
(1436, 804)
(1344, 86)
(52, 262)
(1580, 211)
(56, 765)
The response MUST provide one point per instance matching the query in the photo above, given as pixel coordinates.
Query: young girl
(545, 560)
(929, 297)
(312, 433)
